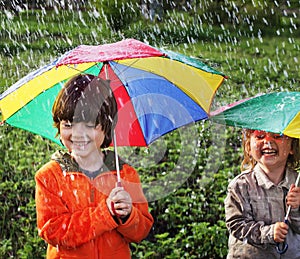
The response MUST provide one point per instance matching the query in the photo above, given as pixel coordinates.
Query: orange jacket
(72, 216)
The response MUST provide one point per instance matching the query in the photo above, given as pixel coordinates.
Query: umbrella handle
(282, 247)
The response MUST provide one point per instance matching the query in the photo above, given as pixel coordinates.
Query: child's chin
(78, 152)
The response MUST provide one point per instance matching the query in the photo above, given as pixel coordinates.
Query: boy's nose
(78, 128)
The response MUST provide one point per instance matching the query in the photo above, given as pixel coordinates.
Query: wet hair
(249, 163)
(87, 98)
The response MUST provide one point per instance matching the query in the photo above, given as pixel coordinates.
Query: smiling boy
(76, 189)
(257, 199)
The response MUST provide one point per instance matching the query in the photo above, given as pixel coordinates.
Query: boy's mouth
(269, 152)
(80, 144)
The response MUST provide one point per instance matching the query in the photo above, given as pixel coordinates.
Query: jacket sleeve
(239, 216)
(294, 220)
(140, 221)
(294, 216)
(57, 224)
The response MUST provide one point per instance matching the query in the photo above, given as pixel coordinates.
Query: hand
(280, 231)
(293, 197)
(122, 202)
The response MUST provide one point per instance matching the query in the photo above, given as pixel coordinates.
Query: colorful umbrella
(156, 90)
(274, 112)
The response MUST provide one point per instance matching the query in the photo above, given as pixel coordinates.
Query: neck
(275, 174)
(91, 163)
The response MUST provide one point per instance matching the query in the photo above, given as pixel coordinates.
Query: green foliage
(118, 14)
(19, 237)
(189, 220)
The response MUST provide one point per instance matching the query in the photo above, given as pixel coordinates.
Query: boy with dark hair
(80, 211)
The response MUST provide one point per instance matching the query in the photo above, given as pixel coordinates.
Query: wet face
(270, 149)
(82, 139)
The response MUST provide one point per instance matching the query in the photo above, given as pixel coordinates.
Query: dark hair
(87, 98)
(249, 163)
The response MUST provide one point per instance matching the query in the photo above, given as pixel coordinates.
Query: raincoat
(72, 215)
(253, 205)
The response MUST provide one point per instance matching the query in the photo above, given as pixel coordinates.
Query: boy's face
(82, 139)
(270, 149)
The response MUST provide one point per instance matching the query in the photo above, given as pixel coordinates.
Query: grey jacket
(253, 205)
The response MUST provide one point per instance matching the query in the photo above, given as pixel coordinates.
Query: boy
(75, 191)
(258, 198)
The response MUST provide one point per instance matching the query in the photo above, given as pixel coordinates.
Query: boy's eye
(274, 136)
(259, 136)
(90, 125)
(278, 136)
(66, 124)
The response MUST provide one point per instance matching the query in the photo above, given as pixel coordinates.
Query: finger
(114, 210)
(280, 240)
(122, 213)
(280, 236)
(284, 227)
(115, 191)
(123, 206)
(126, 212)
(122, 196)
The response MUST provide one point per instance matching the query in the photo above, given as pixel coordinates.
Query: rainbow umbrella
(277, 112)
(156, 90)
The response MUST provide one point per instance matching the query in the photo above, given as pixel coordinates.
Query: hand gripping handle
(282, 247)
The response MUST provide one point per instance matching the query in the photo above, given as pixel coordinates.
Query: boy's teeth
(268, 151)
(80, 144)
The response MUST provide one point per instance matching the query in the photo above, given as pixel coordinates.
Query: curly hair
(249, 163)
(87, 98)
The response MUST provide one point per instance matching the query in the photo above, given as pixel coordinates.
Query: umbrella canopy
(156, 90)
(277, 112)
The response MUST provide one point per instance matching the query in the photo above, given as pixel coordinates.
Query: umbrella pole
(117, 161)
(289, 207)
(282, 247)
(114, 138)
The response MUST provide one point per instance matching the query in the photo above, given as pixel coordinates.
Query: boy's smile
(80, 144)
(83, 140)
(269, 149)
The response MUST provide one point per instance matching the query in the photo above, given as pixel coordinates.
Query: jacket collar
(263, 180)
(69, 164)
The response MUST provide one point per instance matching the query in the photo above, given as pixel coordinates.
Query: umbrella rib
(125, 68)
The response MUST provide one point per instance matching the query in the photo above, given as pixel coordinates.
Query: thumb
(108, 204)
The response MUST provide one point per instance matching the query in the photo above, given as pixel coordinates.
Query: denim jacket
(253, 205)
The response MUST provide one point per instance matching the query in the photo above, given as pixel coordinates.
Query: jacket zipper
(92, 194)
